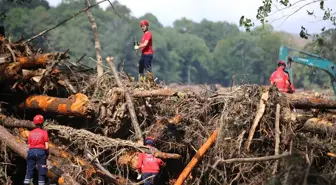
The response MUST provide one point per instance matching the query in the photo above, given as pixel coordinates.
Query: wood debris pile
(246, 135)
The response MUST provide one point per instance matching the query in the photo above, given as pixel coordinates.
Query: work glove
(139, 176)
(136, 47)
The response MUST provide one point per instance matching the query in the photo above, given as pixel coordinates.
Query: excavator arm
(308, 59)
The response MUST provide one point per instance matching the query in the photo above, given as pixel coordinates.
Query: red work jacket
(37, 138)
(281, 80)
(147, 163)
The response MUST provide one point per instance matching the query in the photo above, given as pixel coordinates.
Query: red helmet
(281, 62)
(144, 22)
(149, 141)
(38, 119)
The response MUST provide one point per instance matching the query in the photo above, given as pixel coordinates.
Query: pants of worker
(36, 157)
(150, 181)
(145, 63)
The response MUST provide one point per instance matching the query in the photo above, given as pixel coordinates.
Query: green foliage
(189, 52)
(271, 6)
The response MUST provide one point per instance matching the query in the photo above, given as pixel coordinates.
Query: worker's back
(280, 79)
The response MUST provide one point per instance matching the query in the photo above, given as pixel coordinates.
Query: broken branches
(66, 20)
(251, 160)
(129, 101)
(260, 113)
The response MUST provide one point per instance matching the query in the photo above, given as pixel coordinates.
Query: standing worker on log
(281, 79)
(145, 62)
(148, 165)
(38, 152)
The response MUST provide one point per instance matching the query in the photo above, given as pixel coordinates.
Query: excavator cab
(308, 59)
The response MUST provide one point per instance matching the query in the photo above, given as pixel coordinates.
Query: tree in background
(188, 52)
(271, 7)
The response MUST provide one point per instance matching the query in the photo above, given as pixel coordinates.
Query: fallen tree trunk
(150, 93)
(75, 105)
(320, 125)
(12, 122)
(303, 101)
(68, 132)
(21, 149)
(38, 60)
(86, 138)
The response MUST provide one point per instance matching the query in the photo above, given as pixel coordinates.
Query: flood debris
(97, 123)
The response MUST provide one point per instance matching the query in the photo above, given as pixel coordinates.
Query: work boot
(150, 78)
(142, 79)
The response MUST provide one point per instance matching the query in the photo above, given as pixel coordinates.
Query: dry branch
(277, 136)
(129, 100)
(196, 158)
(66, 20)
(260, 113)
(253, 159)
(100, 69)
(81, 137)
(150, 93)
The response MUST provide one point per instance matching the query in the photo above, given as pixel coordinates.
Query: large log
(21, 149)
(76, 105)
(37, 61)
(304, 101)
(320, 125)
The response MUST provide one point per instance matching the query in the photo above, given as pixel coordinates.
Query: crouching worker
(148, 164)
(38, 152)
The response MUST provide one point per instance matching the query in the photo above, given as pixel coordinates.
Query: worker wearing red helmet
(148, 165)
(145, 62)
(281, 79)
(38, 152)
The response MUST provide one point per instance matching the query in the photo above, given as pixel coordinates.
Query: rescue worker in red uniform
(38, 152)
(148, 165)
(145, 62)
(281, 79)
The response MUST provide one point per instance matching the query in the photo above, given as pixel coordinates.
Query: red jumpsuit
(149, 166)
(281, 80)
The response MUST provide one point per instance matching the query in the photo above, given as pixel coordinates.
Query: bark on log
(302, 101)
(12, 122)
(151, 93)
(21, 149)
(260, 113)
(75, 105)
(129, 101)
(204, 148)
(10, 71)
(320, 125)
(37, 61)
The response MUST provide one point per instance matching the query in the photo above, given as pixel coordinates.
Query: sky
(167, 11)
